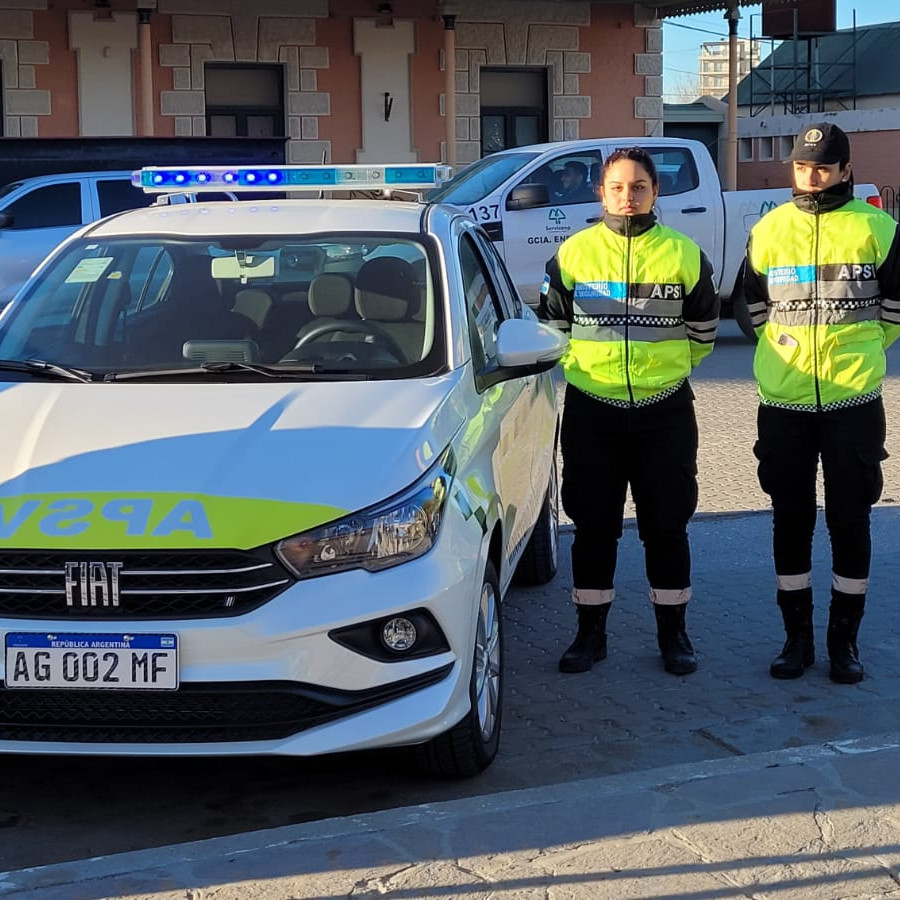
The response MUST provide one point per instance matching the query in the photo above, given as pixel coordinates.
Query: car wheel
(470, 746)
(739, 307)
(540, 560)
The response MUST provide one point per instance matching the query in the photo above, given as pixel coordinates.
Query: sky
(683, 36)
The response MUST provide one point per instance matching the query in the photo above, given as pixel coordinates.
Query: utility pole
(731, 146)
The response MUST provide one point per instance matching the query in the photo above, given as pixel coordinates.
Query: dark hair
(579, 168)
(635, 154)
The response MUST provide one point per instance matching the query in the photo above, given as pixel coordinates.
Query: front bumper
(271, 681)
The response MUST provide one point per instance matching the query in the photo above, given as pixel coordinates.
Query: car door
(531, 236)
(42, 216)
(498, 447)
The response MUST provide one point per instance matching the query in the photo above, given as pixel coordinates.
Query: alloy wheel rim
(487, 663)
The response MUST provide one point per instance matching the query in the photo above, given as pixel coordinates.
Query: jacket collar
(824, 201)
(629, 226)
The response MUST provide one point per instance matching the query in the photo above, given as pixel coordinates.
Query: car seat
(388, 294)
(330, 301)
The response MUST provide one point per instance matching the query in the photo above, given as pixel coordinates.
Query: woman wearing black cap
(823, 291)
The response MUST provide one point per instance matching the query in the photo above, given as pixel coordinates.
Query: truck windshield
(480, 179)
(352, 304)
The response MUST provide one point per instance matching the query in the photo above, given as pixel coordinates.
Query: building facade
(341, 80)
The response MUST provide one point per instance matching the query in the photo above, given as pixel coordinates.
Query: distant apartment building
(714, 65)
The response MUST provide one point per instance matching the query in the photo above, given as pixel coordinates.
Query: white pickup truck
(516, 196)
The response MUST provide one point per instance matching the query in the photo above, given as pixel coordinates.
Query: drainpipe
(450, 86)
(146, 56)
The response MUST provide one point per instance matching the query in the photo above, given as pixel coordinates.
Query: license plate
(99, 661)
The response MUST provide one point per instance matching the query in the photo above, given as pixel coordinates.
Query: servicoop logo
(556, 216)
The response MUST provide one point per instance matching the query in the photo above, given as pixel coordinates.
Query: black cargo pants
(654, 449)
(850, 443)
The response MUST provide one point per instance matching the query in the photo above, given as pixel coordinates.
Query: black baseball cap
(821, 142)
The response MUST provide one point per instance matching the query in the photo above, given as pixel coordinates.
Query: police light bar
(163, 179)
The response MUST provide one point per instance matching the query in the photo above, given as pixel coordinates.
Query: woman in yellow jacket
(823, 291)
(641, 309)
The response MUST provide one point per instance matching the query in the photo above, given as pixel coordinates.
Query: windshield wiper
(42, 367)
(224, 368)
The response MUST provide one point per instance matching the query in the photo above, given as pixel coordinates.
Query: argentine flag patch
(545, 285)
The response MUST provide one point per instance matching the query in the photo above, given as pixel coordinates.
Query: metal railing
(890, 200)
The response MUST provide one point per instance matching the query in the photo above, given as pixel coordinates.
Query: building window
(765, 151)
(745, 149)
(513, 108)
(785, 146)
(244, 100)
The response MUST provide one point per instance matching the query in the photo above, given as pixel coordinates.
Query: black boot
(843, 626)
(589, 645)
(798, 652)
(677, 652)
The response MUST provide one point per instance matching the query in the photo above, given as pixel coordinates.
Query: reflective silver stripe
(647, 401)
(664, 309)
(702, 332)
(824, 290)
(793, 582)
(561, 324)
(861, 400)
(592, 597)
(849, 585)
(670, 597)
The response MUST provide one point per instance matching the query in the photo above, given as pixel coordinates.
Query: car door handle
(694, 209)
(593, 220)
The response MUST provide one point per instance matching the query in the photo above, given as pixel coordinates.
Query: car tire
(540, 560)
(739, 307)
(470, 746)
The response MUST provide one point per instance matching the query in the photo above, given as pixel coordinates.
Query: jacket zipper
(814, 339)
(627, 301)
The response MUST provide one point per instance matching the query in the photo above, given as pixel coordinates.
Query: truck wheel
(470, 746)
(739, 306)
(541, 557)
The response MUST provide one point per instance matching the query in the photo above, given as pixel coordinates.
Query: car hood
(235, 465)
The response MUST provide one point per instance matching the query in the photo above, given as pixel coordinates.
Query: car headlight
(393, 532)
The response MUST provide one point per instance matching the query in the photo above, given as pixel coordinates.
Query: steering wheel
(354, 326)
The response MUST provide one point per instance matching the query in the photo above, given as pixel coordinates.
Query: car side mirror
(528, 196)
(6, 219)
(524, 347)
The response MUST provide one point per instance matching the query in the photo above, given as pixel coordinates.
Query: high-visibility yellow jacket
(822, 283)
(639, 303)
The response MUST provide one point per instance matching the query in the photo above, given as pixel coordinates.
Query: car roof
(275, 217)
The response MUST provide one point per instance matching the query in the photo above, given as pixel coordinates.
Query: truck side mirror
(528, 196)
(6, 219)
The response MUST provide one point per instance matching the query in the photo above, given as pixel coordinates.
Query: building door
(513, 108)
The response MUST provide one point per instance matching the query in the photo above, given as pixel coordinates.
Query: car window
(507, 293)
(357, 303)
(570, 178)
(483, 308)
(51, 206)
(479, 179)
(118, 194)
(676, 169)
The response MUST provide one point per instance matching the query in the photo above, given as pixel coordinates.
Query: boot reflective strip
(849, 585)
(592, 597)
(793, 582)
(670, 596)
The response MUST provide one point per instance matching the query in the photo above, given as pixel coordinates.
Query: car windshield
(479, 179)
(357, 305)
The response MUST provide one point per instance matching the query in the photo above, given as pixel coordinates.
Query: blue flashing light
(159, 179)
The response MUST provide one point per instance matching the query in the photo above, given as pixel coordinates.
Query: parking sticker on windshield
(89, 270)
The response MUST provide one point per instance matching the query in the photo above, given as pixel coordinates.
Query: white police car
(269, 468)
